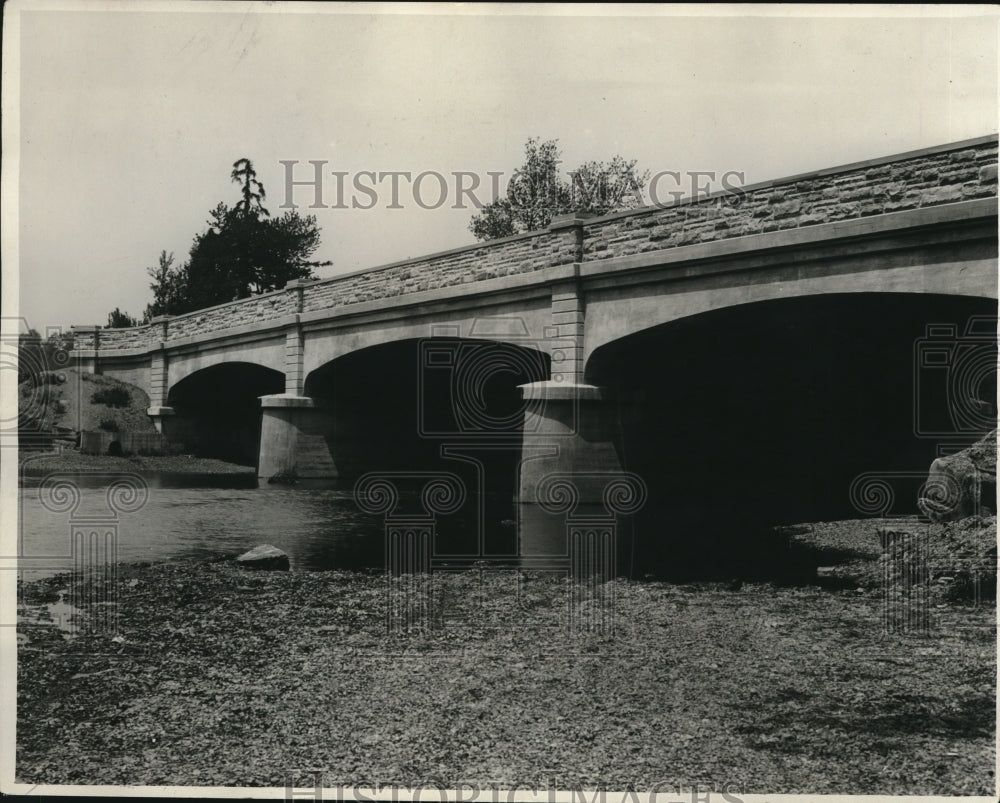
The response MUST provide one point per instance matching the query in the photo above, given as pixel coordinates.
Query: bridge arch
(437, 404)
(762, 414)
(618, 311)
(522, 322)
(415, 394)
(268, 353)
(217, 409)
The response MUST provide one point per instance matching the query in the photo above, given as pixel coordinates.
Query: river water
(198, 517)
(180, 516)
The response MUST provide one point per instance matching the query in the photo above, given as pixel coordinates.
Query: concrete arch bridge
(738, 353)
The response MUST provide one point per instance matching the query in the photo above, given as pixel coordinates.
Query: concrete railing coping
(569, 221)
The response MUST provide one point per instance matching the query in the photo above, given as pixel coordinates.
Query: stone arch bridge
(586, 346)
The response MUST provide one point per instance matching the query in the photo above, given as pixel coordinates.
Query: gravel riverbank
(206, 674)
(40, 463)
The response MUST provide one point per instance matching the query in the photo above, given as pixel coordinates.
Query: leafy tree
(601, 188)
(121, 320)
(170, 288)
(37, 356)
(245, 251)
(537, 193)
(30, 355)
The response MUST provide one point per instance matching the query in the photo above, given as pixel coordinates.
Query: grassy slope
(68, 404)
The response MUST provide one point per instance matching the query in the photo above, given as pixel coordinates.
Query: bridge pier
(296, 438)
(570, 435)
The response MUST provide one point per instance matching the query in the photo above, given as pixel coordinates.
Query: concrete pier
(296, 439)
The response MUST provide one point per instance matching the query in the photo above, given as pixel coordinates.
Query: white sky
(130, 120)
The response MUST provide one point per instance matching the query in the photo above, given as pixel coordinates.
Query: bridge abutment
(161, 416)
(296, 438)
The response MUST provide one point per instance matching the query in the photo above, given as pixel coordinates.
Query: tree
(601, 188)
(121, 320)
(243, 252)
(36, 356)
(169, 286)
(30, 357)
(537, 193)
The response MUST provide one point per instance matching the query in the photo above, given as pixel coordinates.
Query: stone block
(787, 209)
(940, 195)
(975, 190)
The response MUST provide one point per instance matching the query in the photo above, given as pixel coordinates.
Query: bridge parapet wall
(943, 175)
(114, 339)
(522, 254)
(266, 307)
(948, 174)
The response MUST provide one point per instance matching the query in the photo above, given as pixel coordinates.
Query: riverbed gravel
(208, 674)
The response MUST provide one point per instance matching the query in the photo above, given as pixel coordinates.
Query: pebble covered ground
(207, 674)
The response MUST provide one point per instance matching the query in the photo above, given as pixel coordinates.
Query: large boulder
(264, 556)
(962, 484)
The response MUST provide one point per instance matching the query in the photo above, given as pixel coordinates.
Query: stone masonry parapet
(924, 179)
(943, 175)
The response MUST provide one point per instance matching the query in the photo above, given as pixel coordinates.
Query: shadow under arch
(762, 414)
(436, 404)
(217, 411)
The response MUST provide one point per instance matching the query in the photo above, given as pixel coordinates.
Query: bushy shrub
(112, 397)
(108, 425)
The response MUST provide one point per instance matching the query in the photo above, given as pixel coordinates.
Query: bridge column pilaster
(570, 432)
(158, 362)
(296, 438)
(157, 379)
(294, 371)
(294, 343)
(567, 331)
(158, 409)
(87, 348)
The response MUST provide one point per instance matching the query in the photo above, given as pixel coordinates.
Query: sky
(123, 125)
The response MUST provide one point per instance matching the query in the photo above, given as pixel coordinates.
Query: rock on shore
(264, 556)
